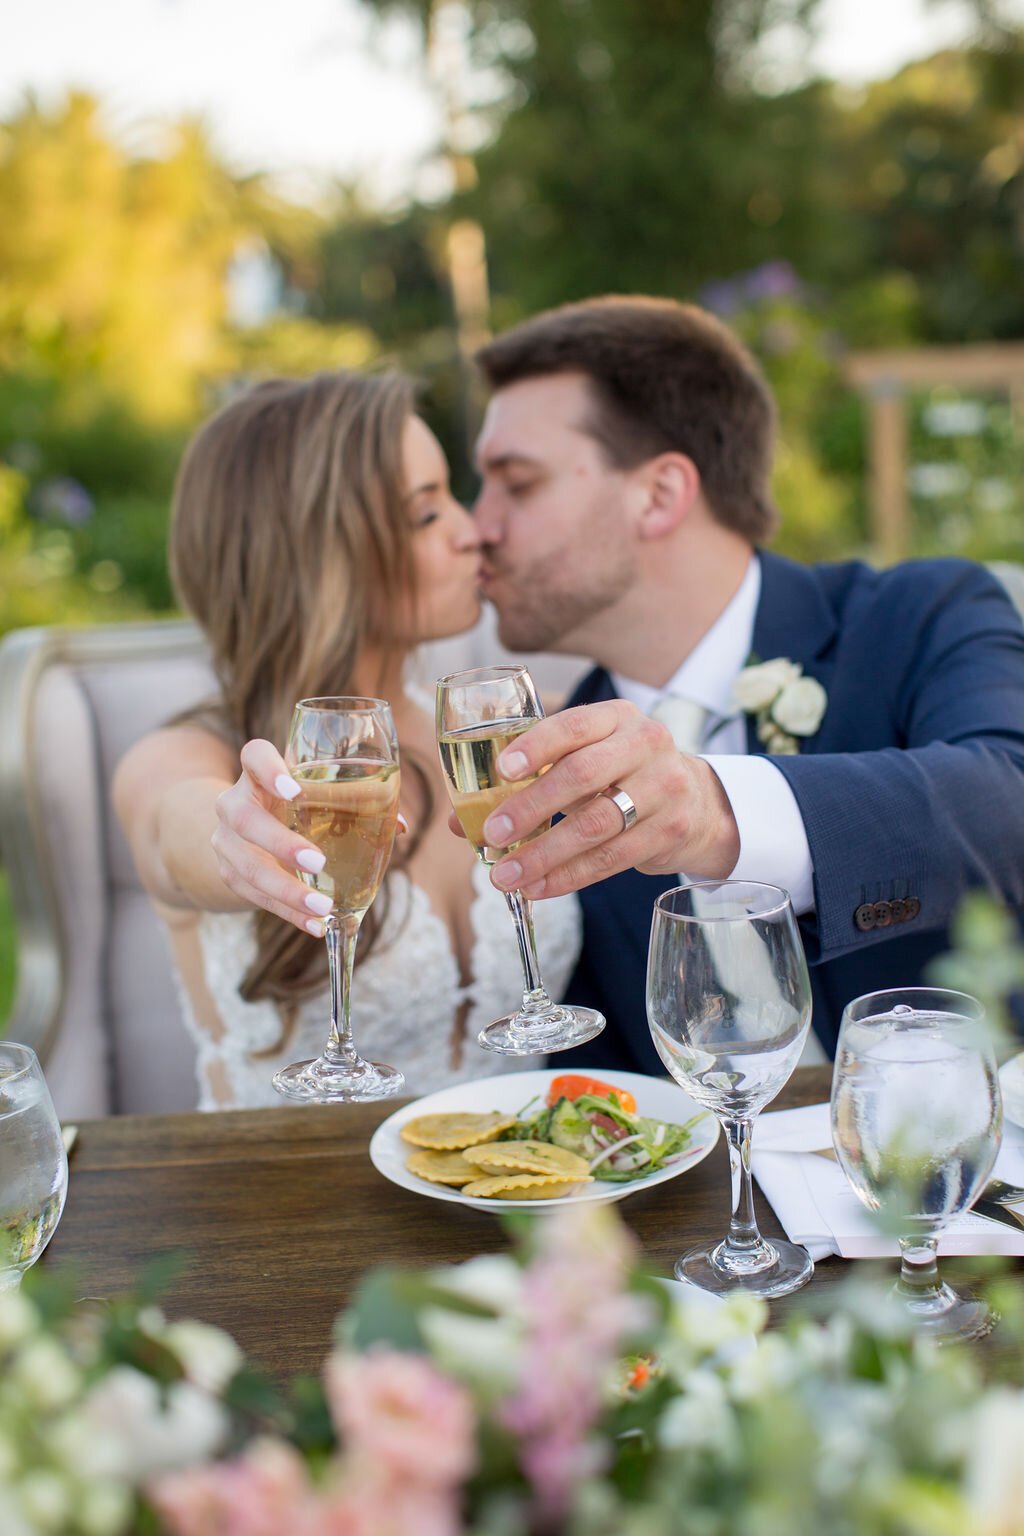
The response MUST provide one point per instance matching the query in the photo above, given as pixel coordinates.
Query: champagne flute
(916, 1124)
(33, 1163)
(343, 753)
(478, 713)
(729, 1005)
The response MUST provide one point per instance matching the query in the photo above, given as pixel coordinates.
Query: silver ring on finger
(619, 797)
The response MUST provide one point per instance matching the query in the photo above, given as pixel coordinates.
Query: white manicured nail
(315, 928)
(321, 905)
(311, 859)
(286, 786)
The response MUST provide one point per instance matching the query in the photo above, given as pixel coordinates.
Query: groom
(877, 772)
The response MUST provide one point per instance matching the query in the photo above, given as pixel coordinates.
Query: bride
(315, 540)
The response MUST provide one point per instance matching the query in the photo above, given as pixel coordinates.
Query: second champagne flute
(344, 754)
(478, 713)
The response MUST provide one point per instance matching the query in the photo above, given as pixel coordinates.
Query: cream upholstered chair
(96, 995)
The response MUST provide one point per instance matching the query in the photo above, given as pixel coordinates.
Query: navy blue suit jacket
(913, 787)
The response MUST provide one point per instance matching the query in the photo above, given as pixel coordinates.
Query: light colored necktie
(684, 718)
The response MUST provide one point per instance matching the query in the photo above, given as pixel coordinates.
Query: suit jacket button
(898, 909)
(864, 917)
(883, 914)
(911, 907)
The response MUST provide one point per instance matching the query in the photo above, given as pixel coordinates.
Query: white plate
(1011, 1081)
(511, 1093)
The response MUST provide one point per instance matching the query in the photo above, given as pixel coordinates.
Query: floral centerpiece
(557, 1390)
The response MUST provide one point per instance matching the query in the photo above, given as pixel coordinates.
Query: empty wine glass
(916, 1124)
(729, 1005)
(343, 752)
(478, 713)
(33, 1163)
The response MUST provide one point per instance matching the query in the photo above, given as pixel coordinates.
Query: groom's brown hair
(665, 377)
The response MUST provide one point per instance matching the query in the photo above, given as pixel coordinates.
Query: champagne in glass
(343, 753)
(916, 1122)
(729, 1004)
(479, 713)
(33, 1163)
(469, 758)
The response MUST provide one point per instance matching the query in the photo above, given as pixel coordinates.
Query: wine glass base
(521, 1035)
(789, 1269)
(326, 1082)
(947, 1317)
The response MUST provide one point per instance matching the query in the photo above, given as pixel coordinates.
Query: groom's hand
(684, 821)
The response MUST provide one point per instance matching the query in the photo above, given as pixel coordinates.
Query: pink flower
(266, 1492)
(577, 1315)
(397, 1506)
(398, 1413)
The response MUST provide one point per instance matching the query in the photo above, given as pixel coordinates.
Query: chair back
(96, 996)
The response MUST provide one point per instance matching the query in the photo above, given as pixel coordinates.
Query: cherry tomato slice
(570, 1085)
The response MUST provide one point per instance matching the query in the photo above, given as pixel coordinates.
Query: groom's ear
(671, 484)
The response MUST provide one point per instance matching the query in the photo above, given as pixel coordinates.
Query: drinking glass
(33, 1163)
(916, 1124)
(729, 1005)
(478, 713)
(343, 752)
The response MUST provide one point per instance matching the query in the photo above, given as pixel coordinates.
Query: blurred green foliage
(603, 147)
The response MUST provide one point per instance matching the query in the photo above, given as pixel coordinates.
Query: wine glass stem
(341, 934)
(535, 997)
(743, 1233)
(919, 1272)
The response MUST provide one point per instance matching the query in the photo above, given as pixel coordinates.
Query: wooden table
(280, 1211)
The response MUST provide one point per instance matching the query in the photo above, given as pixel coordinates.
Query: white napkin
(817, 1207)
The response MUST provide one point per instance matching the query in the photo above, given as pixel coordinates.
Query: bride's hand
(257, 856)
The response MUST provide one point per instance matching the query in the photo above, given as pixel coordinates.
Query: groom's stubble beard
(545, 606)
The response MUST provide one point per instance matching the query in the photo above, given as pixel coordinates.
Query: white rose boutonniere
(787, 704)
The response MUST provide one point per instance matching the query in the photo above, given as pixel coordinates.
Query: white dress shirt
(773, 841)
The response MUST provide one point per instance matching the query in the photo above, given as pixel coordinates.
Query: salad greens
(618, 1146)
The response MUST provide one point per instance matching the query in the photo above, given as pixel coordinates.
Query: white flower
(994, 1480)
(18, 1318)
(485, 1351)
(45, 1374)
(786, 704)
(45, 1500)
(84, 1449)
(800, 706)
(155, 1433)
(758, 685)
(702, 1417)
(104, 1509)
(493, 1279)
(209, 1356)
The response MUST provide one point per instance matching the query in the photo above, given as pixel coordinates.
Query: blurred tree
(112, 268)
(932, 175)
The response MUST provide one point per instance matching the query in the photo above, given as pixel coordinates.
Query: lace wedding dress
(409, 1007)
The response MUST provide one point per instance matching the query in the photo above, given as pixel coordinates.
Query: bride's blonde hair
(290, 545)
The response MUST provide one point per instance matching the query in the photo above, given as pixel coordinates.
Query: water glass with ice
(916, 1124)
(33, 1163)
